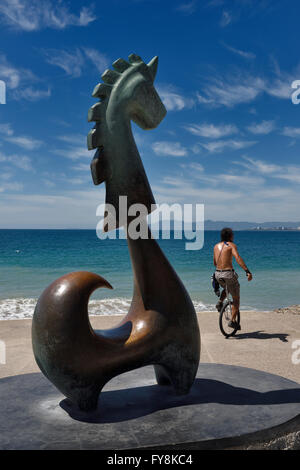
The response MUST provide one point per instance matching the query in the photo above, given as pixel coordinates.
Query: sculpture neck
(126, 173)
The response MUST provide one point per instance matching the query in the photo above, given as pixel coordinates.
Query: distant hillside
(219, 224)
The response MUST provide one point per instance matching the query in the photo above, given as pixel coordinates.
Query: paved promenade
(264, 343)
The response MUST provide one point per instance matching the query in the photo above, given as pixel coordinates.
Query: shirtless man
(225, 274)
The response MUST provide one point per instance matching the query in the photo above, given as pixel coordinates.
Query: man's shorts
(229, 279)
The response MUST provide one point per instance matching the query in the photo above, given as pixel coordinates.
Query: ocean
(31, 259)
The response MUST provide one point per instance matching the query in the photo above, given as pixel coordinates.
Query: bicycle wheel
(225, 318)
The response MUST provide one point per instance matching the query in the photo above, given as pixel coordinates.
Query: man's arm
(215, 262)
(240, 260)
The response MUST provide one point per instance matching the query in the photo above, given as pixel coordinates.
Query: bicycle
(225, 316)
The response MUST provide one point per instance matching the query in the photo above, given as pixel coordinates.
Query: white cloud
(32, 15)
(174, 149)
(73, 61)
(219, 145)
(59, 210)
(231, 91)
(245, 55)
(49, 183)
(82, 167)
(31, 94)
(6, 176)
(264, 127)
(188, 7)
(258, 165)
(6, 129)
(194, 166)
(20, 161)
(226, 19)
(74, 152)
(17, 80)
(25, 142)
(196, 172)
(76, 147)
(99, 60)
(70, 61)
(240, 87)
(211, 131)
(172, 99)
(287, 172)
(230, 196)
(10, 187)
(13, 76)
(293, 132)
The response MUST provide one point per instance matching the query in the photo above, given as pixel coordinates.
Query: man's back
(223, 255)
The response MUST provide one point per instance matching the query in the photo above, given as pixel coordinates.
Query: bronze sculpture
(161, 326)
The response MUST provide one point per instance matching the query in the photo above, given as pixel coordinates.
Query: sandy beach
(265, 342)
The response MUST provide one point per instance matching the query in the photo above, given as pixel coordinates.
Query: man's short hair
(226, 234)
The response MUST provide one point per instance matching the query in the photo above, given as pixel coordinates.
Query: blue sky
(231, 136)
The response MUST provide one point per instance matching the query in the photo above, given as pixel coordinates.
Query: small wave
(22, 308)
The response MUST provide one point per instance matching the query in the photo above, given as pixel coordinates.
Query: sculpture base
(227, 406)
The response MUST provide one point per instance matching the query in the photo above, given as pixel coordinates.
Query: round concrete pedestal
(226, 404)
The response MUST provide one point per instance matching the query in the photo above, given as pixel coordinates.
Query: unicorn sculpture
(161, 327)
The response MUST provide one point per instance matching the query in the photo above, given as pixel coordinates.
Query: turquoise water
(31, 259)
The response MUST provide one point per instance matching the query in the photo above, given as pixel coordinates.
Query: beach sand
(265, 342)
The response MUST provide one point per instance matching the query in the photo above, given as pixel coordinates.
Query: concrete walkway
(264, 343)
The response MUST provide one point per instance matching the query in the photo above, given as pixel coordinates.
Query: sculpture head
(127, 93)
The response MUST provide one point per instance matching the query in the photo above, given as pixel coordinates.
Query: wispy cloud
(99, 60)
(211, 131)
(32, 15)
(174, 149)
(293, 132)
(84, 167)
(260, 166)
(59, 210)
(76, 147)
(31, 94)
(240, 87)
(24, 142)
(264, 127)
(172, 99)
(73, 61)
(244, 54)
(6, 129)
(290, 173)
(17, 79)
(219, 145)
(20, 161)
(231, 91)
(4, 186)
(187, 8)
(226, 19)
(12, 75)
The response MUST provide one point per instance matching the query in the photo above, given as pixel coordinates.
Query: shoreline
(114, 315)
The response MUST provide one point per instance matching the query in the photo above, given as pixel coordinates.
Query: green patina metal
(126, 95)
